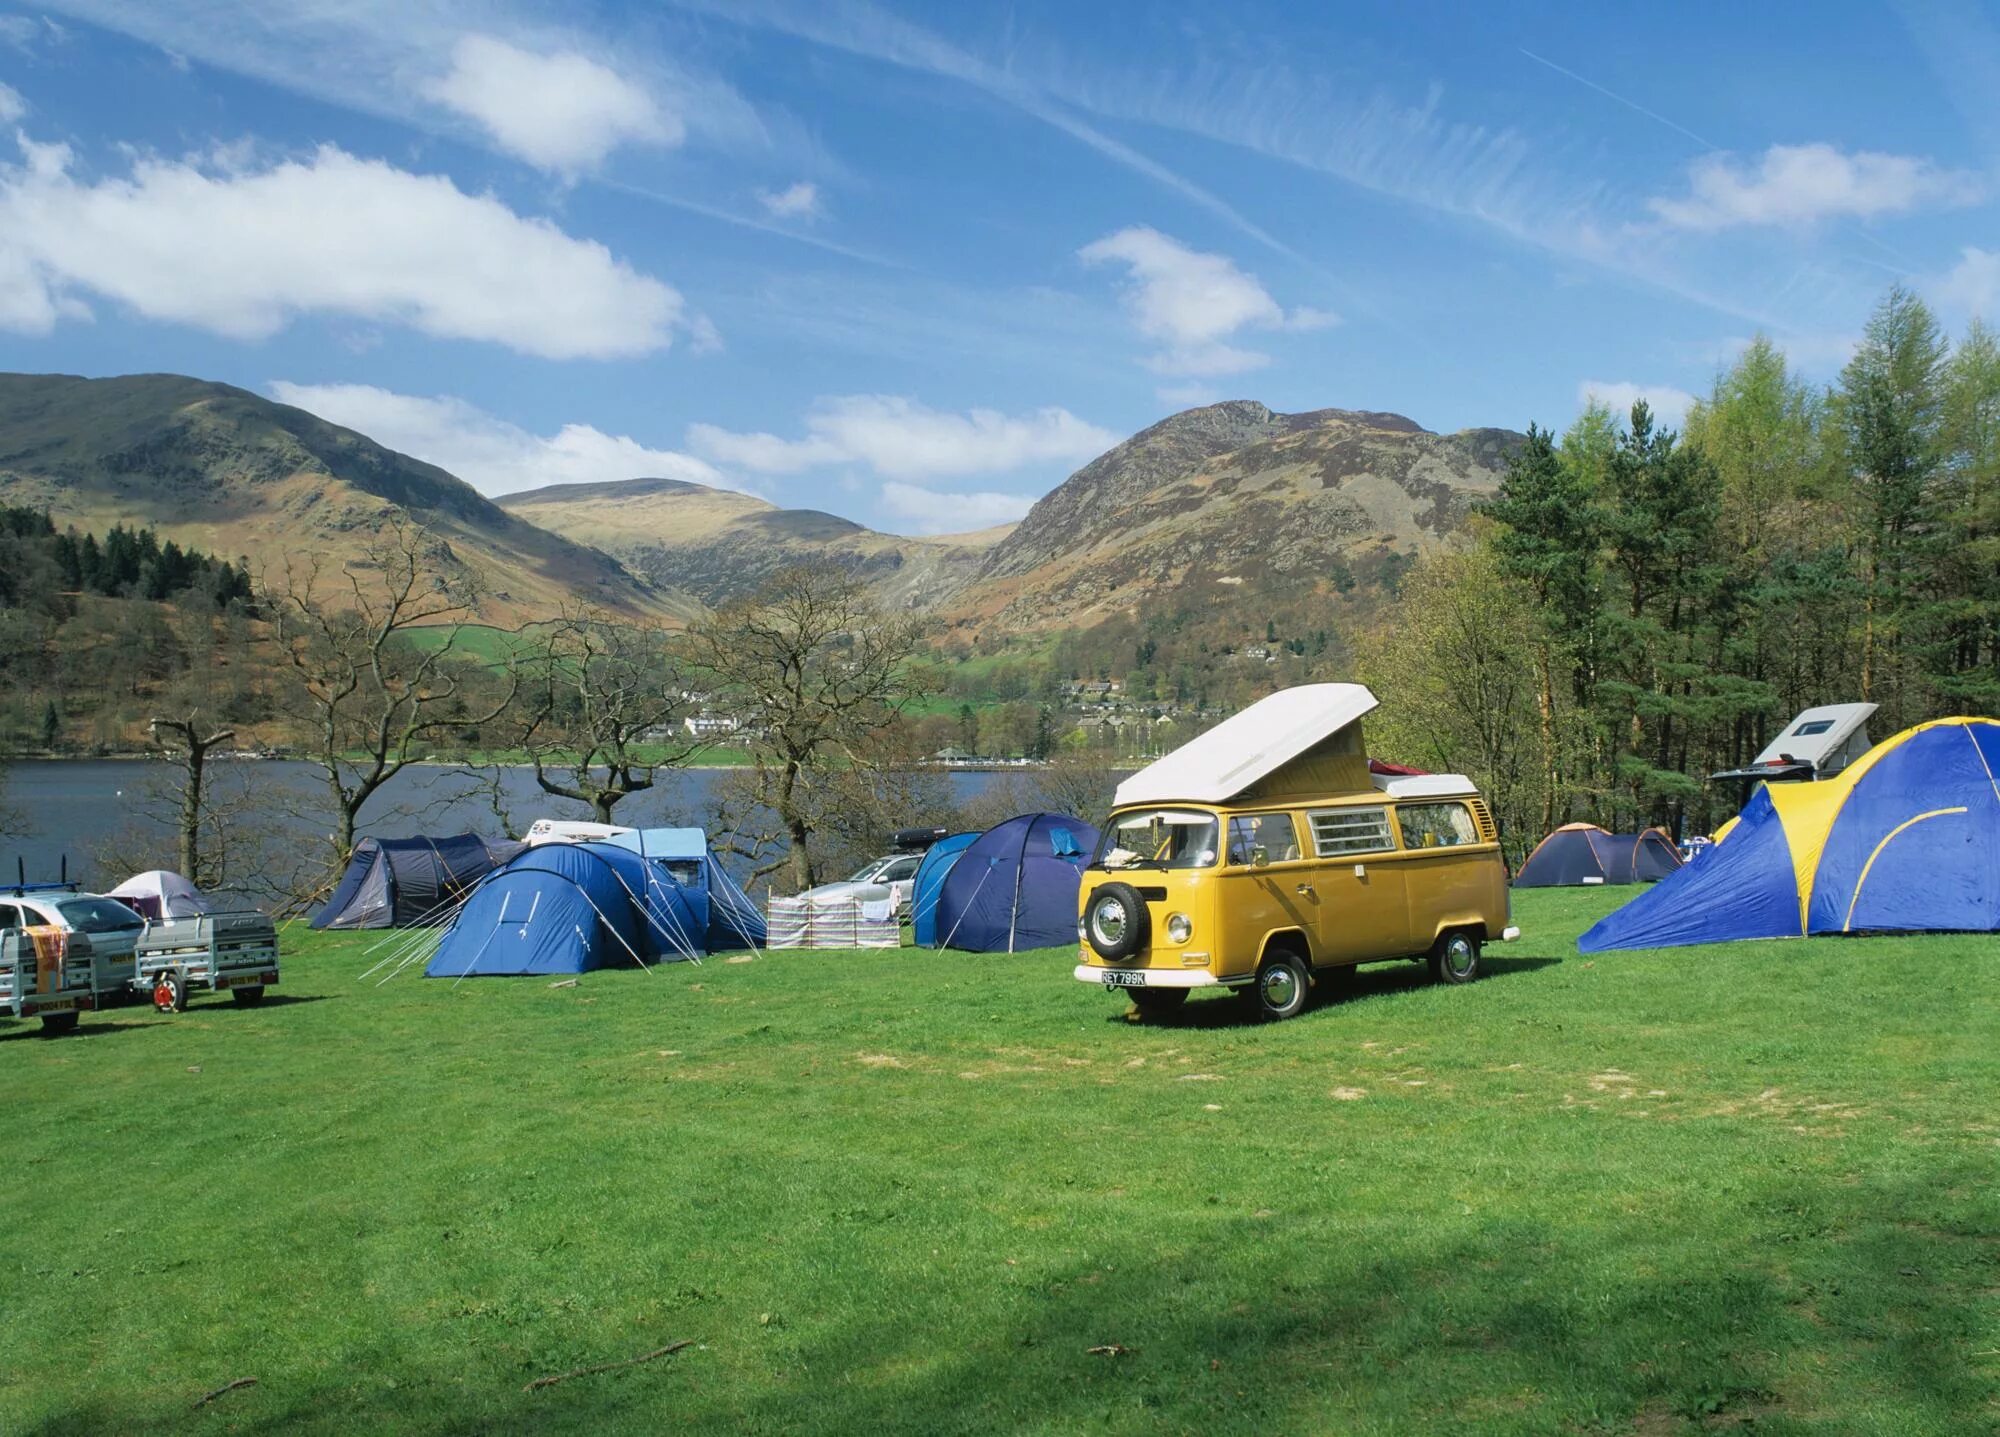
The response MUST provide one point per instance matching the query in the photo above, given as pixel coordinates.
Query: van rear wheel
(1455, 957)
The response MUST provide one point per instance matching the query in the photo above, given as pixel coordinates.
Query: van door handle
(1305, 888)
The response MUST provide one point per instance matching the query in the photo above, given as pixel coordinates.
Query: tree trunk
(189, 854)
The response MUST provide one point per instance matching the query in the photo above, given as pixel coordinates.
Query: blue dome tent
(1579, 853)
(724, 914)
(568, 908)
(407, 882)
(1902, 840)
(1015, 886)
(928, 885)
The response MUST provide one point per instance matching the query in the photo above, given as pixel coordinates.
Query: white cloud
(1669, 405)
(1973, 284)
(899, 438)
(796, 202)
(909, 507)
(1191, 302)
(241, 252)
(12, 106)
(492, 454)
(1802, 184)
(563, 112)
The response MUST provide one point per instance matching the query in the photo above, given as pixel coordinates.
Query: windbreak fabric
(1015, 887)
(1904, 840)
(569, 908)
(928, 886)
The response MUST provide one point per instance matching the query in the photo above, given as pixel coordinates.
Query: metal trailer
(235, 953)
(50, 980)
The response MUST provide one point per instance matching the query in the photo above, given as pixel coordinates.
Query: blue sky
(916, 263)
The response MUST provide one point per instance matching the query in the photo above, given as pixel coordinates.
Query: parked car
(101, 928)
(895, 873)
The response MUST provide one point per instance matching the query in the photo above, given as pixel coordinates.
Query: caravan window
(1339, 832)
(1436, 825)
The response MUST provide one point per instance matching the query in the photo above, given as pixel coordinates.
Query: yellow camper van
(1265, 855)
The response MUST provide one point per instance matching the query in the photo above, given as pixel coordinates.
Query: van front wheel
(1281, 987)
(1455, 957)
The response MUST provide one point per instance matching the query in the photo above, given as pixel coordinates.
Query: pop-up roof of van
(1248, 746)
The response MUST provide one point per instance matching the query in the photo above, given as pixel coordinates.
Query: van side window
(1436, 825)
(1343, 831)
(1266, 836)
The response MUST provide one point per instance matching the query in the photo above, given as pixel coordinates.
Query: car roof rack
(21, 887)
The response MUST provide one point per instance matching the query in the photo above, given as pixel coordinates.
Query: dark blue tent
(928, 885)
(406, 882)
(723, 912)
(568, 908)
(1015, 886)
(1579, 853)
(1902, 840)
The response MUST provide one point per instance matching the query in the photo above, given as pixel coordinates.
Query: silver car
(104, 926)
(893, 876)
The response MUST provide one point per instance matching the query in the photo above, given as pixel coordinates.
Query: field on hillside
(1741, 1188)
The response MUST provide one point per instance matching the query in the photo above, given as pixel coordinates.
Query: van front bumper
(1154, 977)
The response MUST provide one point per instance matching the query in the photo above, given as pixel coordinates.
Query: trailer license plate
(63, 1005)
(1124, 978)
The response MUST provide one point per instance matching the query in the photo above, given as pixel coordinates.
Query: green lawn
(1748, 1188)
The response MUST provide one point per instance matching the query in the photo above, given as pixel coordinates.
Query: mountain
(1229, 501)
(717, 544)
(236, 475)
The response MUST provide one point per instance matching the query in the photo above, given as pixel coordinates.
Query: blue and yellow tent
(1907, 838)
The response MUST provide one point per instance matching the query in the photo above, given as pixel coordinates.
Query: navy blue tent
(408, 882)
(1015, 886)
(1579, 853)
(928, 886)
(723, 912)
(568, 908)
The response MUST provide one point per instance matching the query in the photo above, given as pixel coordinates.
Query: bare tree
(375, 662)
(607, 698)
(816, 671)
(186, 742)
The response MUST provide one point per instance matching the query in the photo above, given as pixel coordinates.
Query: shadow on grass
(1332, 991)
(31, 1029)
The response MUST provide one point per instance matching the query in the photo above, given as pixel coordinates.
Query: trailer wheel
(170, 993)
(248, 997)
(54, 1025)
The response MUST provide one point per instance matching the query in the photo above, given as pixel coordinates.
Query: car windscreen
(1158, 838)
(98, 915)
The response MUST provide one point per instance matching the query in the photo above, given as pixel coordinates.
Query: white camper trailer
(1818, 744)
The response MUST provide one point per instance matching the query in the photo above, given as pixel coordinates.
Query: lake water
(79, 809)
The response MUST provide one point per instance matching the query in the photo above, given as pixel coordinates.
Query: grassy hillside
(904, 1192)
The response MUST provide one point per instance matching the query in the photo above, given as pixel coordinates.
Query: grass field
(1749, 1188)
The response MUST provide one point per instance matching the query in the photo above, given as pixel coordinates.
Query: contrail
(1613, 95)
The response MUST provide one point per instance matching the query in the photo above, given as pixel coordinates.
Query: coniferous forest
(1641, 607)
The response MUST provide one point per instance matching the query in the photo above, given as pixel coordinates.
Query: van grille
(1483, 816)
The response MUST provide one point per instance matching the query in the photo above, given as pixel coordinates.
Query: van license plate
(1124, 978)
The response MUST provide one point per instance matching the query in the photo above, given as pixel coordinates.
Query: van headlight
(1179, 928)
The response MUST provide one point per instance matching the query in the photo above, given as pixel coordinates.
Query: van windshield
(1158, 838)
